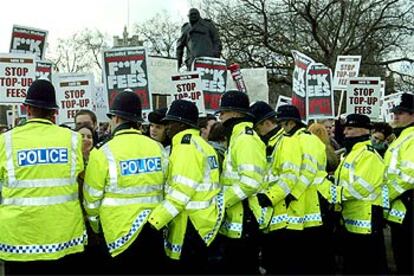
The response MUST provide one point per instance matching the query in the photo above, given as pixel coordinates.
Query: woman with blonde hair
(332, 160)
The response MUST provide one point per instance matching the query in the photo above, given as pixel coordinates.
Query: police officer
(41, 221)
(360, 174)
(298, 169)
(124, 182)
(399, 177)
(243, 170)
(193, 209)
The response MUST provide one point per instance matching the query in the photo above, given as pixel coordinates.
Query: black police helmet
(358, 120)
(288, 112)
(41, 94)
(235, 100)
(184, 112)
(157, 115)
(126, 105)
(262, 111)
(406, 104)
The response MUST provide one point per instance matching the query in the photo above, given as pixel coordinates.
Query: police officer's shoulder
(307, 132)
(103, 142)
(186, 139)
(249, 131)
(371, 148)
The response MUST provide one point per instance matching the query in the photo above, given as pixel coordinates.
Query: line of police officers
(163, 214)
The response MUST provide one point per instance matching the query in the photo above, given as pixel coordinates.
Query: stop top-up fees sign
(188, 87)
(363, 97)
(17, 72)
(73, 92)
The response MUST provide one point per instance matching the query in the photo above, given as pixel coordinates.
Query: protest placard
(28, 40)
(282, 100)
(319, 96)
(160, 71)
(100, 103)
(44, 70)
(213, 73)
(126, 68)
(256, 83)
(73, 92)
(363, 97)
(188, 87)
(17, 72)
(346, 67)
(299, 81)
(389, 102)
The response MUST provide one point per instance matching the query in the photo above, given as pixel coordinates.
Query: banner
(213, 73)
(319, 96)
(73, 92)
(160, 71)
(299, 81)
(44, 70)
(127, 68)
(282, 100)
(28, 40)
(17, 72)
(346, 67)
(187, 86)
(256, 83)
(389, 102)
(363, 97)
(100, 103)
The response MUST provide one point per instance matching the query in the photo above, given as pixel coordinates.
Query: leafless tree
(160, 34)
(81, 52)
(263, 33)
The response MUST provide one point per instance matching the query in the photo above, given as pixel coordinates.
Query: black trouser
(402, 237)
(68, 265)
(297, 252)
(194, 254)
(365, 253)
(241, 256)
(144, 256)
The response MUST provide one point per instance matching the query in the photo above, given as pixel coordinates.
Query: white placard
(389, 102)
(346, 67)
(73, 92)
(17, 72)
(187, 86)
(363, 97)
(100, 103)
(282, 100)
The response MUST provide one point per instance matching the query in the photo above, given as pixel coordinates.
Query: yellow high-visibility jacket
(192, 192)
(244, 167)
(40, 214)
(124, 182)
(360, 174)
(399, 173)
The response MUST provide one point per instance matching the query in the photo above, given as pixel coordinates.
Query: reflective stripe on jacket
(124, 182)
(40, 214)
(192, 192)
(399, 172)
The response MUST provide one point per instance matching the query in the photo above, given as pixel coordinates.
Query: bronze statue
(200, 37)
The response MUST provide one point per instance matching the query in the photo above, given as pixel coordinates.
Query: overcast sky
(62, 18)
